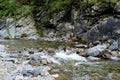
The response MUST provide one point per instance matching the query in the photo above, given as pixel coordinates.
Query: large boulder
(95, 51)
(108, 28)
(115, 45)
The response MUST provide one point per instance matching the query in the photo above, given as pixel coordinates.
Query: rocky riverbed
(45, 60)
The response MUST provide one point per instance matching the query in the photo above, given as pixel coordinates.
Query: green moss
(7, 37)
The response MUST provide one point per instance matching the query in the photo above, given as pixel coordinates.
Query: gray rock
(95, 51)
(107, 29)
(41, 69)
(115, 59)
(13, 60)
(117, 9)
(48, 77)
(27, 72)
(44, 62)
(65, 30)
(114, 45)
(35, 71)
(119, 44)
(80, 46)
(91, 58)
(3, 23)
(26, 30)
(106, 56)
(96, 43)
(81, 27)
(13, 55)
(8, 78)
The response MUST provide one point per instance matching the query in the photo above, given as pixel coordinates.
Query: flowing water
(65, 64)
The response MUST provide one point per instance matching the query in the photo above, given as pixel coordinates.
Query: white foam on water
(51, 59)
(71, 56)
(61, 55)
(48, 57)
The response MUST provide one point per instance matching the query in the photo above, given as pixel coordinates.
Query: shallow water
(33, 44)
(68, 65)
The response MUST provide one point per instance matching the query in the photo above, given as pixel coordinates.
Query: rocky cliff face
(99, 21)
(95, 22)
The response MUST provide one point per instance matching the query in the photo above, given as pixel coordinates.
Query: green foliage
(8, 7)
(58, 5)
(13, 7)
(46, 2)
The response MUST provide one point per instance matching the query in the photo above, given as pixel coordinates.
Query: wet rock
(44, 73)
(27, 72)
(80, 51)
(106, 54)
(115, 59)
(95, 51)
(13, 60)
(96, 43)
(115, 54)
(91, 58)
(55, 75)
(81, 46)
(44, 62)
